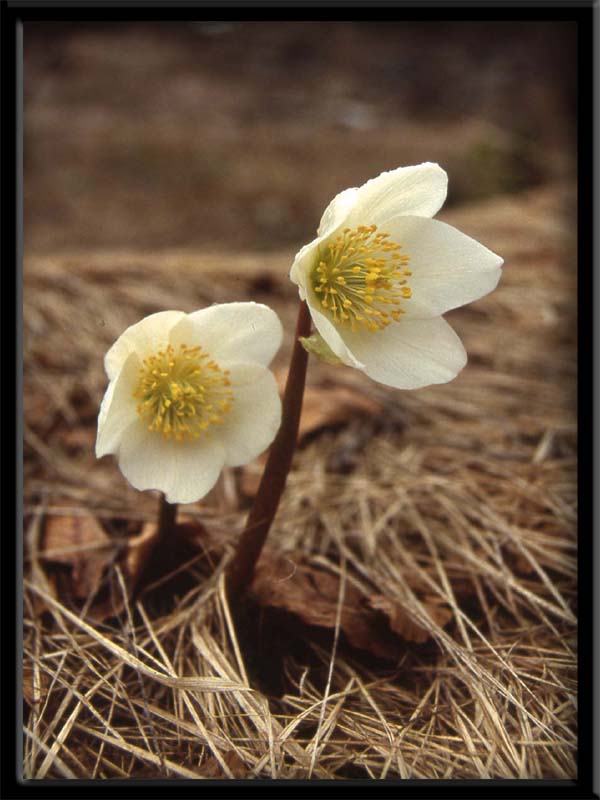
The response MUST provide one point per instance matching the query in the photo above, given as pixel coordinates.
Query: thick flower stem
(167, 513)
(240, 571)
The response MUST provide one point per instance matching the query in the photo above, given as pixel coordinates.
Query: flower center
(361, 279)
(182, 393)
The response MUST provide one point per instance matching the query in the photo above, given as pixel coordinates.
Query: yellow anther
(179, 392)
(357, 274)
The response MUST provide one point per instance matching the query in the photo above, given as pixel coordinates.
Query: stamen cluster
(361, 279)
(182, 392)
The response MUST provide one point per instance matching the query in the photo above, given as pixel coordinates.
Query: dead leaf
(405, 624)
(288, 583)
(148, 563)
(39, 577)
(80, 542)
(188, 533)
(251, 476)
(518, 559)
(78, 439)
(322, 407)
(33, 693)
(212, 769)
(524, 565)
(139, 550)
(132, 562)
(332, 404)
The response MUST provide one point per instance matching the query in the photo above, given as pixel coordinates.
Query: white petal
(251, 425)
(411, 353)
(419, 191)
(232, 332)
(303, 262)
(118, 408)
(184, 471)
(144, 338)
(337, 211)
(331, 334)
(448, 268)
(333, 218)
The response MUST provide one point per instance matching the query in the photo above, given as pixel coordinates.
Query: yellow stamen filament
(182, 393)
(360, 279)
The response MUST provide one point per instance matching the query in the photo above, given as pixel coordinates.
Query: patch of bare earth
(414, 615)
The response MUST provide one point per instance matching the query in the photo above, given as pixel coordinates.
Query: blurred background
(235, 136)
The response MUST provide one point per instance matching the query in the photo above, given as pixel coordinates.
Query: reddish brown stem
(240, 571)
(167, 513)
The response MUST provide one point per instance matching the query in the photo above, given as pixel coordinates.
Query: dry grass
(469, 488)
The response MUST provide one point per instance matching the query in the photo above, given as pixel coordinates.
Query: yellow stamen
(358, 271)
(182, 393)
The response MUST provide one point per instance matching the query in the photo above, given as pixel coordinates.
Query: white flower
(381, 273)
(190, 394)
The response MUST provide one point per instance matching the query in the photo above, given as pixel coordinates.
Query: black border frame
(13, 14)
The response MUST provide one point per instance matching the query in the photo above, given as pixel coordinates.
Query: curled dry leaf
(132, 560)
(148, 562)
(78, 439)
(212, 769)
(35, 686)
(312, 594)
(404, 623)
(79, 542)
(518, 560)
(139, 551)
(330, 404)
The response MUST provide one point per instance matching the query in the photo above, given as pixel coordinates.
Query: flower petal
(118, 408)
(332, 335)
(419, 191)
(337, 211)
(305, 258)
(448, 268)
(184, 471)
(251, 425)
(232, 332)
(409, 354)
(333, 218)
(144, 338)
